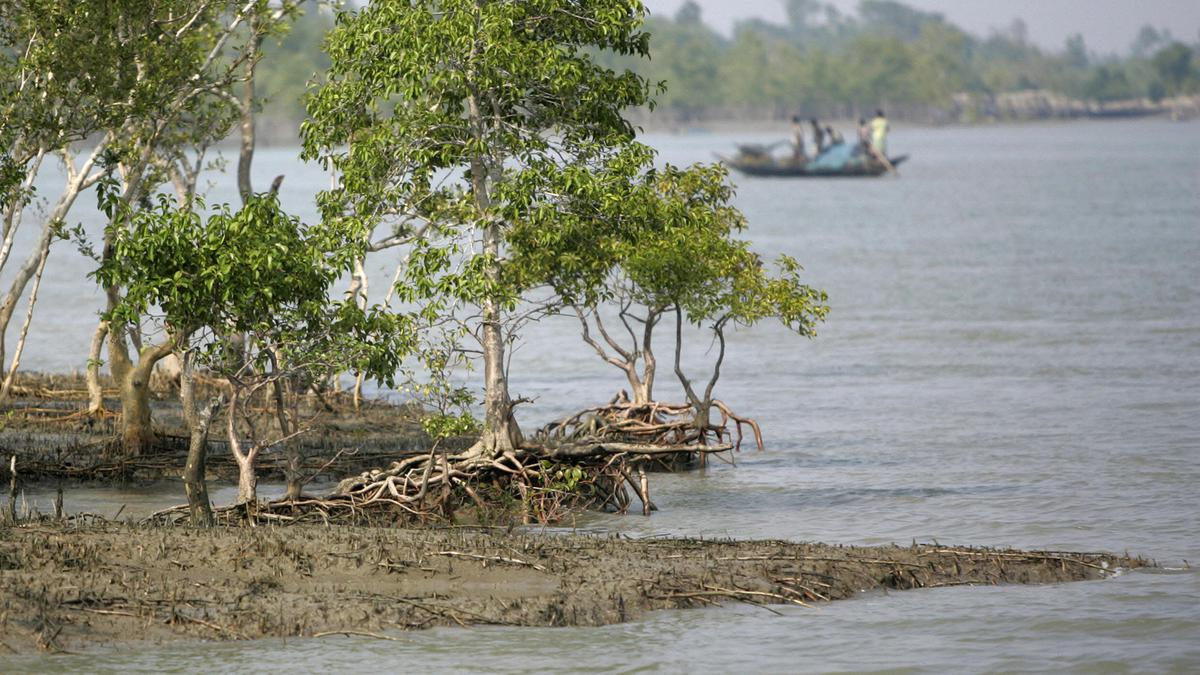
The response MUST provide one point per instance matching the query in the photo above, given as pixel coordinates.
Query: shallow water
(1013, 359)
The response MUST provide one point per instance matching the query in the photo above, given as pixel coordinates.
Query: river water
(1012, 359)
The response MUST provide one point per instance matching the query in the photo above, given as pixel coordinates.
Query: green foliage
(695, 57)
(487, 135)
(571, 243)
(689, 257)
(1176, 68)
(755, 294)
(1148, 39)
(690, 232)
(255, 271)
(233, 268)
(812, 63)
(145, 80)
(401, 78)
(80, 67)
(441, 427)
(895, 19)
(564, 478)
(1108, 82)
(943, 61)
(729, 283)
(1076, 52)
(12, 172)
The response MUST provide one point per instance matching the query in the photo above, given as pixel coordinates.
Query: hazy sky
(1107, 25)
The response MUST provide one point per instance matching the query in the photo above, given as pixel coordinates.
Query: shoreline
(71, 587)
(751, 124)
(53, 438)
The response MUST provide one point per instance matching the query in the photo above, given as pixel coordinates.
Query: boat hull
(776, 169)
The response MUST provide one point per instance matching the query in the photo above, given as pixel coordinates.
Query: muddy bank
(68, 588)
(45, 423)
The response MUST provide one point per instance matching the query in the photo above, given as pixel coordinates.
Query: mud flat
(73, 587)
(46, 425)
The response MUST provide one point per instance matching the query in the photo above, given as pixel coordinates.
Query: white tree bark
(15, 210)
(95, 391)
(500, 430)
(247, 478)
(78, 180)
(16, 360)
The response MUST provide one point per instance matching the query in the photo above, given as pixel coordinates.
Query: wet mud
(74, 587)
(45, 424)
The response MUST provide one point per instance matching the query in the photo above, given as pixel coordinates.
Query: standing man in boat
(879, 133)
(798, 156)
(878, 149)
(818, 135)
(864, 137)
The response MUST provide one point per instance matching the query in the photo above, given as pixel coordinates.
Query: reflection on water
(1013, 359)
(132, 502)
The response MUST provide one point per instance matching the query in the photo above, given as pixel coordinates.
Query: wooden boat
(837, 161)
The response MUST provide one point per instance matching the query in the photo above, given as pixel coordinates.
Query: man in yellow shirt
(879, 132)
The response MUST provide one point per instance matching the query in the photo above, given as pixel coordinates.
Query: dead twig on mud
(708, 596)
(492, 558)
(1020, 556)
(207, 624)
(113, 612)
(848, 561)
(761, 594)
(358, 633)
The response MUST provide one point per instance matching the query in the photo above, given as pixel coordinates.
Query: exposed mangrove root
(595, 459)
(532, 484)
(520, 486)
(668, 431)
(654, 423)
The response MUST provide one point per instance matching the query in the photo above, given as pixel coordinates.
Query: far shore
(1183, 109)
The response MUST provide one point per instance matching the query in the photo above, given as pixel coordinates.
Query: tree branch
(687, 384)
(719, 329)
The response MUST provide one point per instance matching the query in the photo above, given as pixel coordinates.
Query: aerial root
(593, 459)
(657, 430)
(438, 487)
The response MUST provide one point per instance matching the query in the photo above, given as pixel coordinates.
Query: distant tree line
(825, 63)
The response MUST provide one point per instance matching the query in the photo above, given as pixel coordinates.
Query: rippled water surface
(1013, 359)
